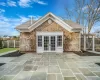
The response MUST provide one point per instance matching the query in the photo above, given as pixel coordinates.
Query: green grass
(7, 49)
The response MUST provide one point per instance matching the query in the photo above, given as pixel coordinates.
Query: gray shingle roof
(73, 24)
(26, 24)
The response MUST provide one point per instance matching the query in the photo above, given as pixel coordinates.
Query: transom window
(39, 41)
(59, 41)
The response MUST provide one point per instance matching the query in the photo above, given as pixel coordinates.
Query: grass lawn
(7, 49)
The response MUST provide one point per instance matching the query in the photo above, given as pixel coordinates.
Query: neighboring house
(49, 34)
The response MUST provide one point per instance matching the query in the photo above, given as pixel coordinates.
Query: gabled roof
(68, 25)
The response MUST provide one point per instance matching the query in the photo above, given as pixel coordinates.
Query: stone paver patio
(67, 66)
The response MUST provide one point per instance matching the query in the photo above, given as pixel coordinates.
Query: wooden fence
(11, 44)
(97, 44)
(15, 44)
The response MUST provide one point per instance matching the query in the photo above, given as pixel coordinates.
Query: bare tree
(93, 13)
(85, 12)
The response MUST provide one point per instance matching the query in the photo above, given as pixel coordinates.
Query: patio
(50, 66)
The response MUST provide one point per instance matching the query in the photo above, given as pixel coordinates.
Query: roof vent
(49, 21)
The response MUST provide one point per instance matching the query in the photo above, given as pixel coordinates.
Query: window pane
(59, 40)
(39, 41)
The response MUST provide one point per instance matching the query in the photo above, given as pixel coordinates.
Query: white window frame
(59, 41)
(39, 41)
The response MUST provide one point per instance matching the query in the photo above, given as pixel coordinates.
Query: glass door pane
(46, 43)
(52, 43)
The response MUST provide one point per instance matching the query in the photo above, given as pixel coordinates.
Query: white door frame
(41, 49)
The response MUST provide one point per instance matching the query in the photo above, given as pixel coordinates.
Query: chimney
(31, 19)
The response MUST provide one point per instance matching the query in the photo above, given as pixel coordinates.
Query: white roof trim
(57, 20)
(63, 25)
(60, 20)
(35, 26)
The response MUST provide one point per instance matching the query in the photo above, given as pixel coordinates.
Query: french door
(49, 43)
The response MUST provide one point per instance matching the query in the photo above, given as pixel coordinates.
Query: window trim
(59, 41)
(39, 41)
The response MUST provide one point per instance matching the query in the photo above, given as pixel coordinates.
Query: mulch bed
(97, 50)
(98, 64)
(84, 53)
(2, 64)
(13, 54)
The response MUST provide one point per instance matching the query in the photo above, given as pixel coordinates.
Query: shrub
(1, 45)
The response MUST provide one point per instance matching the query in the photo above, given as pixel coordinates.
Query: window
(39, 41)
(59, 41)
